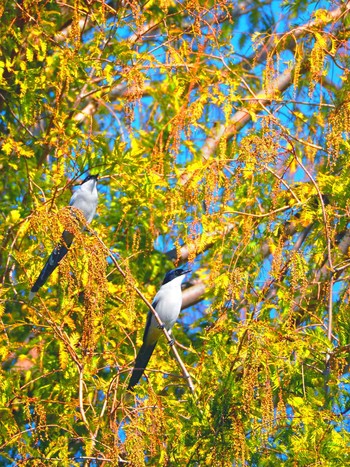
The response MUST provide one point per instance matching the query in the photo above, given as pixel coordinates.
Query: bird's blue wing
(149, 320)
(150, 337)
(56, 256)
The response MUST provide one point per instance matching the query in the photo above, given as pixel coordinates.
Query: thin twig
(330, 308)
(341, 268)
(62, 336)
(267, 214)
(303, 379)
(284, 183)
(324, 214)
(288, 101)
(81, 399)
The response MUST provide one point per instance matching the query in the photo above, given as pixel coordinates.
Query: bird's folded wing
(56, 256)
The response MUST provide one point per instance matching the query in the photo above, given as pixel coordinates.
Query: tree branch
(280, 84)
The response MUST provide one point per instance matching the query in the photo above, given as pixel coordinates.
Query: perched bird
(167, 304)
(84, 199)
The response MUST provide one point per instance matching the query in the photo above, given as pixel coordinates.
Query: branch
(81, 399)
(281, 83)
(122, 90)
(199, 245)
(324, 213)
(193, 294)
(196, 293)
(330, 309)
(259, 216)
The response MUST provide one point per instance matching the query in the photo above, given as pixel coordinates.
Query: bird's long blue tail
(142, 359)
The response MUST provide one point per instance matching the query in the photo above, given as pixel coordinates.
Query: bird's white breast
(168, 303)
(85, 199)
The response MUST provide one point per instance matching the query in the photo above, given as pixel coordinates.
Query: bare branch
(193, 294)
(265, 214)
(81, 399)
(280, 84)
(330, 309)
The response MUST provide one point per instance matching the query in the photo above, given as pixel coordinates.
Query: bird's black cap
(170, 275)
(90, 177)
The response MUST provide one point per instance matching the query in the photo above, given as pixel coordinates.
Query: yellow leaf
(293, 166)
(14, 216)
(252, 115)
(29, 54)
(321, 40)
(323, 15)
(7, 148)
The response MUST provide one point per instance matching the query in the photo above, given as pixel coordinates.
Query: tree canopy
(219, 131)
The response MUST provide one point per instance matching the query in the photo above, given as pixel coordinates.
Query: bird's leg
(172, 340)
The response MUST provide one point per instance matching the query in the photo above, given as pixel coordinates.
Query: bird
(167, 304)
(85, 199)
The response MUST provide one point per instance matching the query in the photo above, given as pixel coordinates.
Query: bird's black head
(173, 274)
(89, 177)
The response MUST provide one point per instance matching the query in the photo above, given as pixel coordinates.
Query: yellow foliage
(63, 355)
(160, 99)
(13, 217)
(322, 15)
